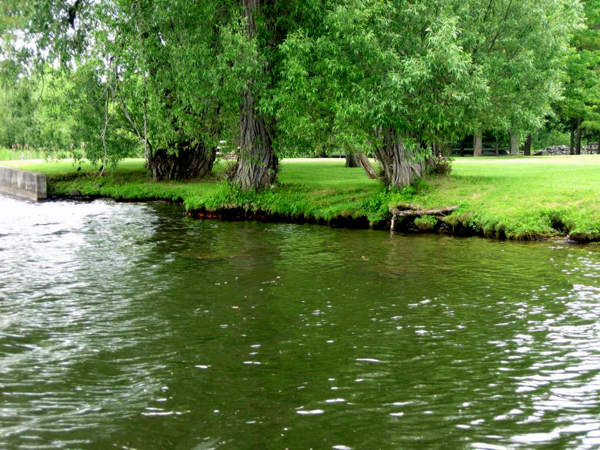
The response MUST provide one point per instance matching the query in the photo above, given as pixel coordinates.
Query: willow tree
(268, 26)
(388, 75)
(170, 71)
(187, 66)
(17, 104)
(181, 75)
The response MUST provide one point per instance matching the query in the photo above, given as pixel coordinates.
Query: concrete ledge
(21, 184)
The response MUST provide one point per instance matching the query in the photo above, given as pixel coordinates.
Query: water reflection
(136, 327)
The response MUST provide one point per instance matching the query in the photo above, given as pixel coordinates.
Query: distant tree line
(398, 80)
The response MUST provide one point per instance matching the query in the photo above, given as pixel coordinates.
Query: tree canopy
(396, 79)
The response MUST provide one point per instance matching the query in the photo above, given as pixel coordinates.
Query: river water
(134, 327)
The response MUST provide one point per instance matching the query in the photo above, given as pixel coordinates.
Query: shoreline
(235, 213)
(528, 199)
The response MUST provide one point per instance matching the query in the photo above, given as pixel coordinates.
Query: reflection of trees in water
(259, 320)
(277, 316)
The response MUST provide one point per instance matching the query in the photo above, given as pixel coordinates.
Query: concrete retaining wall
(27, 185)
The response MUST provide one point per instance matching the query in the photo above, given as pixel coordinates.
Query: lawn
(523, 197)
(520, 198)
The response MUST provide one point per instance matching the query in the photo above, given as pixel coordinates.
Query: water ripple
(135, 327)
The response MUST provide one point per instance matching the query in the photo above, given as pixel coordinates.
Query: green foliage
(157, 72)
(124, 76)
(18, 98)
(521, 48)
(20, 154)
(376, 64)
(426, 223)
(581, 102)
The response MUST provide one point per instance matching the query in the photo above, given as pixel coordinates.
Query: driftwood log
(404, 210)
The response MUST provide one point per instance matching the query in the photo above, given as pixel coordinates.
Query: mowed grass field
(519, 198)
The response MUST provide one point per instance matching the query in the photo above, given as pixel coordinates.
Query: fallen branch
(404, 210)
(423, 212)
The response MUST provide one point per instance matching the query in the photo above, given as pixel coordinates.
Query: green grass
(523, 198)
(518, 198)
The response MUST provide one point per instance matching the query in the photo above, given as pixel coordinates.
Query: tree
(520, 47)
(170, 71)
(579, 109)
(386, 76)
(268, 25)
(391, 78)
(17, 104)
(184, 61)
(257, 163)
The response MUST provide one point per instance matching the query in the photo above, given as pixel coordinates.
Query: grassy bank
(518, 198)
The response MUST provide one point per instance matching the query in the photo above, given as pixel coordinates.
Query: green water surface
(135, 327)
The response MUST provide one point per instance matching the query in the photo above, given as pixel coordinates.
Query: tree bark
(527, 150)
(572, 143)
(352, 160)
(514, 143)
(477, 144)
(189, 161)
(360, 160)
(400, 168)
(366, 165)
(257, 164)
(578, 143)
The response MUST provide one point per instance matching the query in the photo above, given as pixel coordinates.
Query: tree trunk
(578, 147)
(477, 144)
(398, 163)
(572, 143)
(257, 164)
(527, 150)
(352, 160)
(360, 160)
(514, 143)
(497, 146)
(190, 161)
(366, 165)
